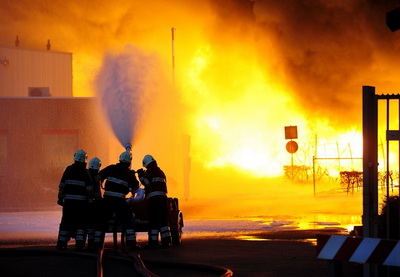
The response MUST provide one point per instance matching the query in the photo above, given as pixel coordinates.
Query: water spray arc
(122, 84)
(173, 54)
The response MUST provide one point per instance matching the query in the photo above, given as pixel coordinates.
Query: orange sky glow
(244, 69)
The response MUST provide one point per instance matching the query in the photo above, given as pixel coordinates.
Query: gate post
(370, 169)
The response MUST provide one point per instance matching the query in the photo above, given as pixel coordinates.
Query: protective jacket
(75, 192)
(94, 174)
(94, 208)
(75, 183)
(154, 181)
(120, 180)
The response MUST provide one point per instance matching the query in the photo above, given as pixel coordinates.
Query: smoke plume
(244, 69)
(330, 49)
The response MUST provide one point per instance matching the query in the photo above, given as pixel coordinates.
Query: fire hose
(134, 259)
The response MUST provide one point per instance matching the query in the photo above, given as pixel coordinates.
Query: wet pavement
(262, 247)
(280, 253)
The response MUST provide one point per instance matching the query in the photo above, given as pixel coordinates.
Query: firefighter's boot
(98, 241)
(165, 237)
(61, 245)
(131, 239)
(80, 239)
(153, 239)
(63, 238)
(90, 237)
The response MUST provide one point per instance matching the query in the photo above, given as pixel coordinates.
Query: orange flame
(244, 70)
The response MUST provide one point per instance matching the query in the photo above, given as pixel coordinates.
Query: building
(41, 127)
(28, 72)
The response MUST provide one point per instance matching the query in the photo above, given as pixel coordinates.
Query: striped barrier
(358, 249)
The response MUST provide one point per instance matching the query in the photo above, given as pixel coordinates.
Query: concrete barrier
(359, 249)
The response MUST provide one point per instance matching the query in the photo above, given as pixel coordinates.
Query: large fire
(237, 118)
(244, 69)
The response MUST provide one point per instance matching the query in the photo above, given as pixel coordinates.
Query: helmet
(147, 160)
(95, 163)
(80, 156)
(125, 157)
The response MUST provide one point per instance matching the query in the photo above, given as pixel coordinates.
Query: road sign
(290, 132)
(292, 147)
(392, 135)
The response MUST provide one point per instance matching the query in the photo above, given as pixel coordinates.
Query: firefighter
(93, 214)
(120, 180)
(74, 195)
(155, 183)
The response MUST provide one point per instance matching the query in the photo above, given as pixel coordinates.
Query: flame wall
(243, 70)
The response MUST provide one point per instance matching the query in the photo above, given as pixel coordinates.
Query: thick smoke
(324, 50)
(330, 49)
(265, 63)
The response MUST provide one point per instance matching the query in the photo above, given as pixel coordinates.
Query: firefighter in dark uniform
(93, 215)
(155, 183)
(120, 181)
(74, 195)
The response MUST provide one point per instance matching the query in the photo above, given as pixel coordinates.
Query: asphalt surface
(281, 253)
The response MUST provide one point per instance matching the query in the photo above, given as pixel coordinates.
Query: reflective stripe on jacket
(154, 181)
(75, 183)
(119, 180)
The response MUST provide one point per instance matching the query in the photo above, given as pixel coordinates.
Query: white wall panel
(22, 68)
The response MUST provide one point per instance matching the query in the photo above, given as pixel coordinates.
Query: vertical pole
(314, 158)
(186, 166)
(370, 169)
(383, 153)
(291, 166)
(313, 164)
(338, 154)
(351, 155)
(173, 55)
(387, 170)
(398, 128)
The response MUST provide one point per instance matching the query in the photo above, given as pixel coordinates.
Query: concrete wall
(38, 138)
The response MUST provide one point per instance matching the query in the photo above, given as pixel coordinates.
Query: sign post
(291, 146)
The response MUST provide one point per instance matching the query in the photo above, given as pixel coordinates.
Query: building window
(59, 147)
(39, 91)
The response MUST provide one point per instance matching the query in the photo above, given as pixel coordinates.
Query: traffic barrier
(358, 249)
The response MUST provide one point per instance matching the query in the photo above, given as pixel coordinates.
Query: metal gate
(370, 161)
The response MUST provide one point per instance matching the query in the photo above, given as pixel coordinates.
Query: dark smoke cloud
(70, 25)
(330, 49)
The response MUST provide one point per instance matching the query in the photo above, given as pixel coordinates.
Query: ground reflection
(33, 228)
(312, 241)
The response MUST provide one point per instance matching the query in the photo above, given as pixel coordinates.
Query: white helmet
(125, 157)
(80, 156)
(147, 160)
(95, 163)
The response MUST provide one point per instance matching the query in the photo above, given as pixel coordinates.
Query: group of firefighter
(88, 205)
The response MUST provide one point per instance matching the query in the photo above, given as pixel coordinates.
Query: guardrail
(363, 250)
(358, 249)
